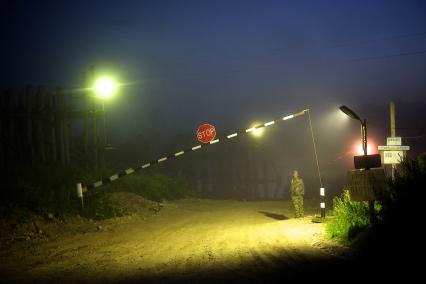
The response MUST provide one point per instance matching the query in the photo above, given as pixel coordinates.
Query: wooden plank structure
(367, 185)
(41, 125)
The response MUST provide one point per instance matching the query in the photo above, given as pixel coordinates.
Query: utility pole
(85, 83)
(393, 130)
(95, 138)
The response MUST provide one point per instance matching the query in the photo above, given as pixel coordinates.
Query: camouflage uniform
(297, 190)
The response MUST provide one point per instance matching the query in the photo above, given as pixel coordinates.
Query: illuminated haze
(232, 63)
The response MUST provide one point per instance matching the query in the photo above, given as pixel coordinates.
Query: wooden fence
(41, 125)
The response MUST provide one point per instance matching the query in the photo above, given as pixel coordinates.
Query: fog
(230, 64)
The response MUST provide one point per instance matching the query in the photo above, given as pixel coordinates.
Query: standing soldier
(297, 190)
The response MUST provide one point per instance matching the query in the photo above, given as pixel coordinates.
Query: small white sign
(394, 148)
(393, 157)
(393, 141)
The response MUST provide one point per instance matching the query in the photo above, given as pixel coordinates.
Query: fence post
(84, 83)
(95, 138)
(39, 123)
(52, 128)
(28, 119)
(59, 125)
(66, 127)
(10, 108)
(20, 129)
(2, 129)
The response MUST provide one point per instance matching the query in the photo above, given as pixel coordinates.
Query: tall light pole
(105, 87)
(365, 164)
(353, 115)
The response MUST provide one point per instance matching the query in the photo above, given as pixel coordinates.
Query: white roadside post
(322, 204)
(80, 193)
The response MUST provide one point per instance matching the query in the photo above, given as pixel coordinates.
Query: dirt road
(195, 241)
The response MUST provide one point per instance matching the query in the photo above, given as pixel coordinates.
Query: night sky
(228, 62)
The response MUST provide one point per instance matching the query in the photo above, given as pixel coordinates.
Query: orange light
(371, 149)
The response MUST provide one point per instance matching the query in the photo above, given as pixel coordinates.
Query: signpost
(393, 148)
(393, 157)
(394, 151)
(393, 141)
(206, 133)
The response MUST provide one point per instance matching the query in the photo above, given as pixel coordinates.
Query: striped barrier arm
(182, 152)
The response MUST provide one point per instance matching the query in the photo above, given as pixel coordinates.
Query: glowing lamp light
(257, 132)
(105, 87)
(359, 151)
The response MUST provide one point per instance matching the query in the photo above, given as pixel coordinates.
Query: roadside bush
(150, 185)
(154, 186)
(407, 191)
(349, 218)
(395, 242)
(403, 206)
(399, 213)
(50, 189)
(396, 210)
(45, 189)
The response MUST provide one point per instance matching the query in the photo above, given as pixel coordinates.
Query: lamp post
(365, 166)
(105, 87)
(353, 115)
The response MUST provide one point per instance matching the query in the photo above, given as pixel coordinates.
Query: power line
(414, 137)
(277, 64)
(389, 56)
(363, 42)
(265, 66)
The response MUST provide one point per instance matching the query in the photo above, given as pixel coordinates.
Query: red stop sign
(206, 133)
